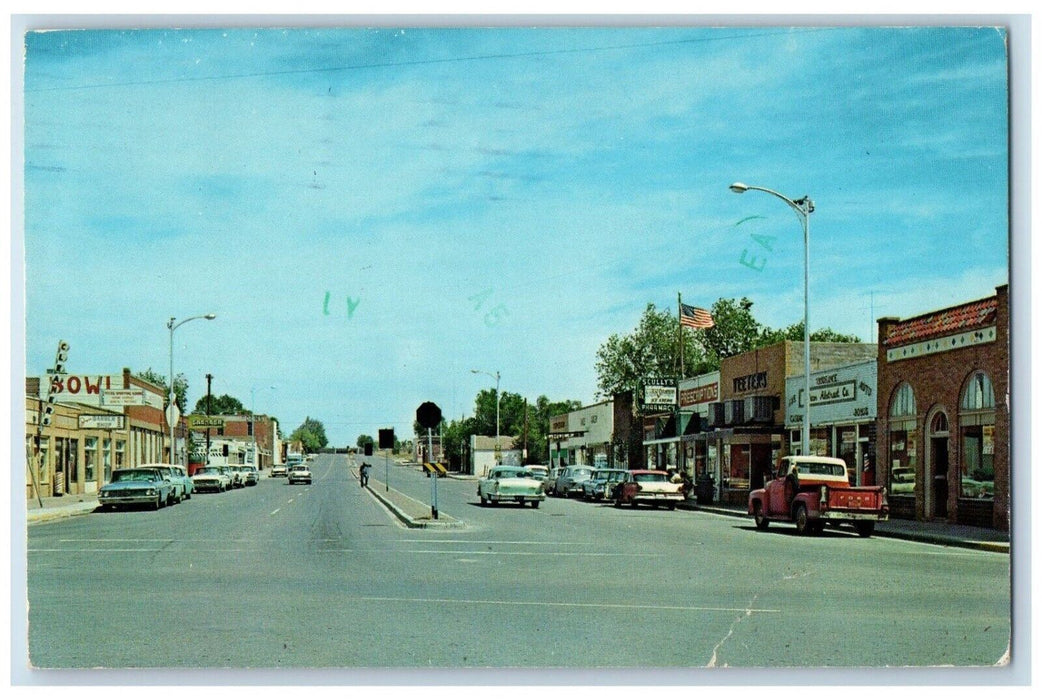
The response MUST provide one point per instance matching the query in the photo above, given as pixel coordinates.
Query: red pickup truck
(811, 491)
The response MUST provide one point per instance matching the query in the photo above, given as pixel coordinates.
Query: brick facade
(935, 459)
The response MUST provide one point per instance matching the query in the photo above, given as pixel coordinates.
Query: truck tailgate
(864, 498)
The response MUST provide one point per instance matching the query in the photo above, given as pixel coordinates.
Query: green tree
(539, 415)
(180, 386)
(794, 332)
(652, 350)
(734, 331)
(311, 434)
(223, 405)
(364, 439)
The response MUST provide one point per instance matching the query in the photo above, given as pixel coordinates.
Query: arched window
(904, 455)
(978, 394)
(903, 402)
(939, 424)
(977, 437)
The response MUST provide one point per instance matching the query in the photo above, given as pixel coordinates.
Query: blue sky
(499, 199)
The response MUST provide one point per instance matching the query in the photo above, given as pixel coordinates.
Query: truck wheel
(865, 529)
(802, 521)
(761, 520)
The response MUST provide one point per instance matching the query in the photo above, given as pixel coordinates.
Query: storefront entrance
(937, 498)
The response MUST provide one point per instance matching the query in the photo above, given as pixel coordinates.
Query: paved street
(322, 576)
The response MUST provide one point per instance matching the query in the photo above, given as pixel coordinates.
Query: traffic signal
(368, 449)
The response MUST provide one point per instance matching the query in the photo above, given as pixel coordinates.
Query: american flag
(694, 317)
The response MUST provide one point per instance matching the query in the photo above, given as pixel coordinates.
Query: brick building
(254, 429)
(943, 413)
(101, 422)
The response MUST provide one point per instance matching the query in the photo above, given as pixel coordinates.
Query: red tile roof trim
(954, 320)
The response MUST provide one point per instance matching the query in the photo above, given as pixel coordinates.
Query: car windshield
(581, 474)
(135, 475)
(208, 470)
(649, 477)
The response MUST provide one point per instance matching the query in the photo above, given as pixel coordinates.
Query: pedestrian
(363, 474)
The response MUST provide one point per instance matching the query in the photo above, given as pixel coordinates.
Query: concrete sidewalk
(57, 507)
(934, 532)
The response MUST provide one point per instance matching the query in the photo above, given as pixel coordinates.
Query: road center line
(526, 554)
(274, 511)
(542, 604)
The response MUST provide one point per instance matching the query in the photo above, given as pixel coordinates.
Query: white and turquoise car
(144, 485)
(511, 484)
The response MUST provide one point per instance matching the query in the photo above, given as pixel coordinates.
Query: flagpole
(680, 333)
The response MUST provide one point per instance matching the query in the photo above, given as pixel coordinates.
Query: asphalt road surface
(322, 576)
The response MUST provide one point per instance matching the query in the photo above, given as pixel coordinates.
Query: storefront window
(121, 449)
(90, 457)
(106, 460)
(977, 437)
(739, 471)
(902, 442)
(73, 461)
(846, 436)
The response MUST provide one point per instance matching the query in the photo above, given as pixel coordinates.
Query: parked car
(250, 475)
(517, 484)
(540, 472)
(234, 475)
(144, 485)
(570, 481)
(551, 480)
(178, 477)
(211, 479)
(649, 486)
(279, 470)
(601, 484)
(300, 474)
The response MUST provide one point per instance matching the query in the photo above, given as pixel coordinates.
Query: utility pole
(209, 381)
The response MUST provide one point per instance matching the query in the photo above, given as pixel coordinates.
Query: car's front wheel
(535, 504)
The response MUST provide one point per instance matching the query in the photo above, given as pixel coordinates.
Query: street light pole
(803, 208)
(496, 377)
(173, 327)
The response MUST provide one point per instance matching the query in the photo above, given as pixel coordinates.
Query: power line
(422, 62)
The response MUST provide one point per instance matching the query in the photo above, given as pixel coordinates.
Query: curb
(44, 515)
(409, 521)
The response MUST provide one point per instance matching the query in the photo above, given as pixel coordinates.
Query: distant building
(484, 453)
(601, 434)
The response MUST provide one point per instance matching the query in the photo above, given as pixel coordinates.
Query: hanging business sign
(660, 394)
(200, 422)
